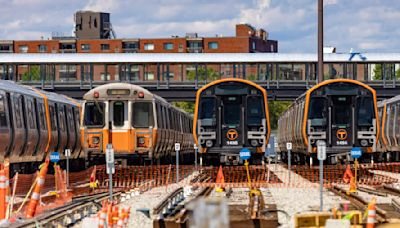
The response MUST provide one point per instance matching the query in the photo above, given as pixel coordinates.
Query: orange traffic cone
(353, 185)
(371, 220)
(220, 180)
(348, 174)
(103, 216)
(7, 173)
(36, 192)
(2, 194)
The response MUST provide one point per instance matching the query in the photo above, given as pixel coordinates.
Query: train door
(231, 128)
(5, 126)
(342, 116)
(19, 127)
(31, 127)
(120, 130)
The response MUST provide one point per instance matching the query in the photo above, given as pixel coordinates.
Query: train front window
(342, 110)
(255, 110)
(94, 114)
(119, 113)
(142, 115)
(317, 112)
(365, 111)
(207, 111)
(232, 109)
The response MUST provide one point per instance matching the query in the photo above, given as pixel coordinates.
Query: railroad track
(68, 214)
(384, 212)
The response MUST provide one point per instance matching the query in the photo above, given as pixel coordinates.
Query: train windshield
(255, 110)
(207, 111)
(142, 115)
(365, 111)
(232, 109)
(94, 114)
(317, 112)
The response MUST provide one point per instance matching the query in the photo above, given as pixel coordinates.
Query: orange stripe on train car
(326, 82)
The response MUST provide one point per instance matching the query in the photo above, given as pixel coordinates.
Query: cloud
(368, 25)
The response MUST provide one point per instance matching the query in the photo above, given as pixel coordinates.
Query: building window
(4, 48)
(42, 48)
(272, 48)
(148, 47)
(105, 47)
(149, 76)
(253, 45)
(168, 46)
(85, 47)
(212, 45)
(23, 48)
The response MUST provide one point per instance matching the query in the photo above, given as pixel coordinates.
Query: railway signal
(110, 167)
(289, 148)
(355, 153)
(321, 154)
(177, 149)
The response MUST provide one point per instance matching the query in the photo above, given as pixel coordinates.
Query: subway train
(34, 123)
(231, 114)
(389, 140)
(141, 126)
(341, 112)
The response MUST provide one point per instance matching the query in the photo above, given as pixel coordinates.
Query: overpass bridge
(177, 77)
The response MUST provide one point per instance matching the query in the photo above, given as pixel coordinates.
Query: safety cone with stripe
(120, 223)
(220, 180)
(103, 216)
(371, 219)
(93, 183)
(30, 212)
(348, 174)
(2, 194)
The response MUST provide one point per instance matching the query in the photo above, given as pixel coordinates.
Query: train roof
(102, 90)
(239, 80)
(331, 81)
(11, 86)
(389, 101)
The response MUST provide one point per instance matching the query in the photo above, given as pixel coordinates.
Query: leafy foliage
(203, 74)
(276, 109)
(33, 74)
(187, 106)
(378, 72)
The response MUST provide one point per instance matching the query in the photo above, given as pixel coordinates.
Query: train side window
(255, 110)
(397, 123)
(61, 119)
(31, 114)
(53, 118)
(317, 112)
(164, 117)
(70, 119)
(94, 114)
(207, 111)
(42, 117)
(3, 115)
(77, 118)
(142, 115)
(159, 116)
(365, 111)
(18, 113)
(391, 120)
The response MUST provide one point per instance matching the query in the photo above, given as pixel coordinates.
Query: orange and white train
(138, 124)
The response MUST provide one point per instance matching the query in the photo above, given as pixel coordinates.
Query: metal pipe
(320, 41)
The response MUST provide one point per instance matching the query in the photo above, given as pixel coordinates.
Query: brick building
(94, 34)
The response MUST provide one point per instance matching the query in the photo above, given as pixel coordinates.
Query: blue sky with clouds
(364, 25)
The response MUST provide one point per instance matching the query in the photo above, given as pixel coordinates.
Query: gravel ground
(293, 199)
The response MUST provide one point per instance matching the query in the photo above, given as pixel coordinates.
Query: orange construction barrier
(120, 223)
(36, 192)
(220, 180)
(2, 194)
(8, 192)
(371, 220)
(348, 174)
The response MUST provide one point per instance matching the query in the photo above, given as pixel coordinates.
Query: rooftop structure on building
(94, 34)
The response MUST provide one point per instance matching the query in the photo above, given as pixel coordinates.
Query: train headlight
(96, 140)
(141, 141)
(364, 142)
(209, 143)
(254, 143)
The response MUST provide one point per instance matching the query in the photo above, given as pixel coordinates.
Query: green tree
(33, 74)
(276, 109)
(187, 106)
(378, 72)
(210, 74)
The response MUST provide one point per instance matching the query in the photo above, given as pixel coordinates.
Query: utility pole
(320, 75)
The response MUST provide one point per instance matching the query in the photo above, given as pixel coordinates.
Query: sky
(364, 25)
